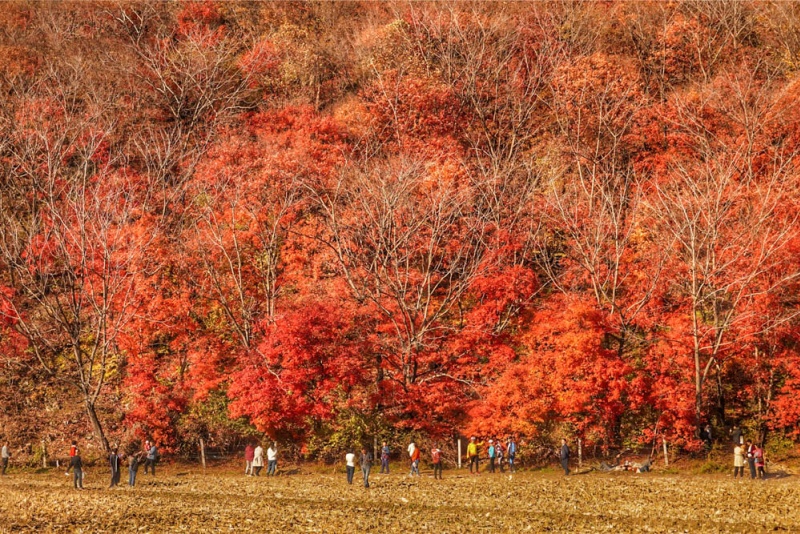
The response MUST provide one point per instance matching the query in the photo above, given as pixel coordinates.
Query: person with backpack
(511, 449)
(385, 452)
(436, 459)
(492, 455)
(133, 468)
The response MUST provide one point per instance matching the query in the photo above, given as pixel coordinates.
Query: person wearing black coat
(564, 456)
(114, 461)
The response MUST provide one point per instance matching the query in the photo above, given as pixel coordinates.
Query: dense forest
(325, 222)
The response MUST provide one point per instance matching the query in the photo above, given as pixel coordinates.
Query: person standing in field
(511, 449)
(473, 455)
(564, 456)
(415, 461)
(436, 458)
(272, 458)
(76, 465)
(385, 458)
(350, 465)
(5, 456)
(492, 455)
(751, 459)
(152, 458)
(498, 451)
(258, 459)
(736, 435)
(145, 452)
(758, 454)
(411, 448)
(113, 460)
(73, 450)
(366, 465)
(133, 468)
(738, 461)
(249, 452)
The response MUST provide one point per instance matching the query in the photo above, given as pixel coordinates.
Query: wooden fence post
(203, 453)
(666, 458)
(580, 453)
(44, 455)
(459, 453)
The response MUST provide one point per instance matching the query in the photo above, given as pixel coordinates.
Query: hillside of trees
(325, 222)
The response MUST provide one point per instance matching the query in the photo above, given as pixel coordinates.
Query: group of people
(752, 454)
(415, 456)
(497, 454)
(149, 455)
(254, 459)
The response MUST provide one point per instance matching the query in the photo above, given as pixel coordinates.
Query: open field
(222, 501)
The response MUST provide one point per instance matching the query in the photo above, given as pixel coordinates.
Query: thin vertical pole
(666, 458)
(580, 453)
(44, 455)
(203, 453)
(459, 453)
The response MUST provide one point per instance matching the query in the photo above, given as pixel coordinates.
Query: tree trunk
(98, 428)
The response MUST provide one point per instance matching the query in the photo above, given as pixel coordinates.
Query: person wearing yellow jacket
(473, 454)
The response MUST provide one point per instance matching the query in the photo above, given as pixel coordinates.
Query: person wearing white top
(350, 461)
(258, 459)
(738, 461)
(272, 458)
(4, 457)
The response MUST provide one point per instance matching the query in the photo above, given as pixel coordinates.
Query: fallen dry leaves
(223, 501)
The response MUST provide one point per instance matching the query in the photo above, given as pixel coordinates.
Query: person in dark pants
(76, 465)
(366, 465)
(350, 464)
(564, 455)
(152, 458)
(145, 451)
(751, 459)
(511, 449)
(133, 468)
(436, 458)
(114, 460)
(5, 455)
(492, 455)
(385, 458)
